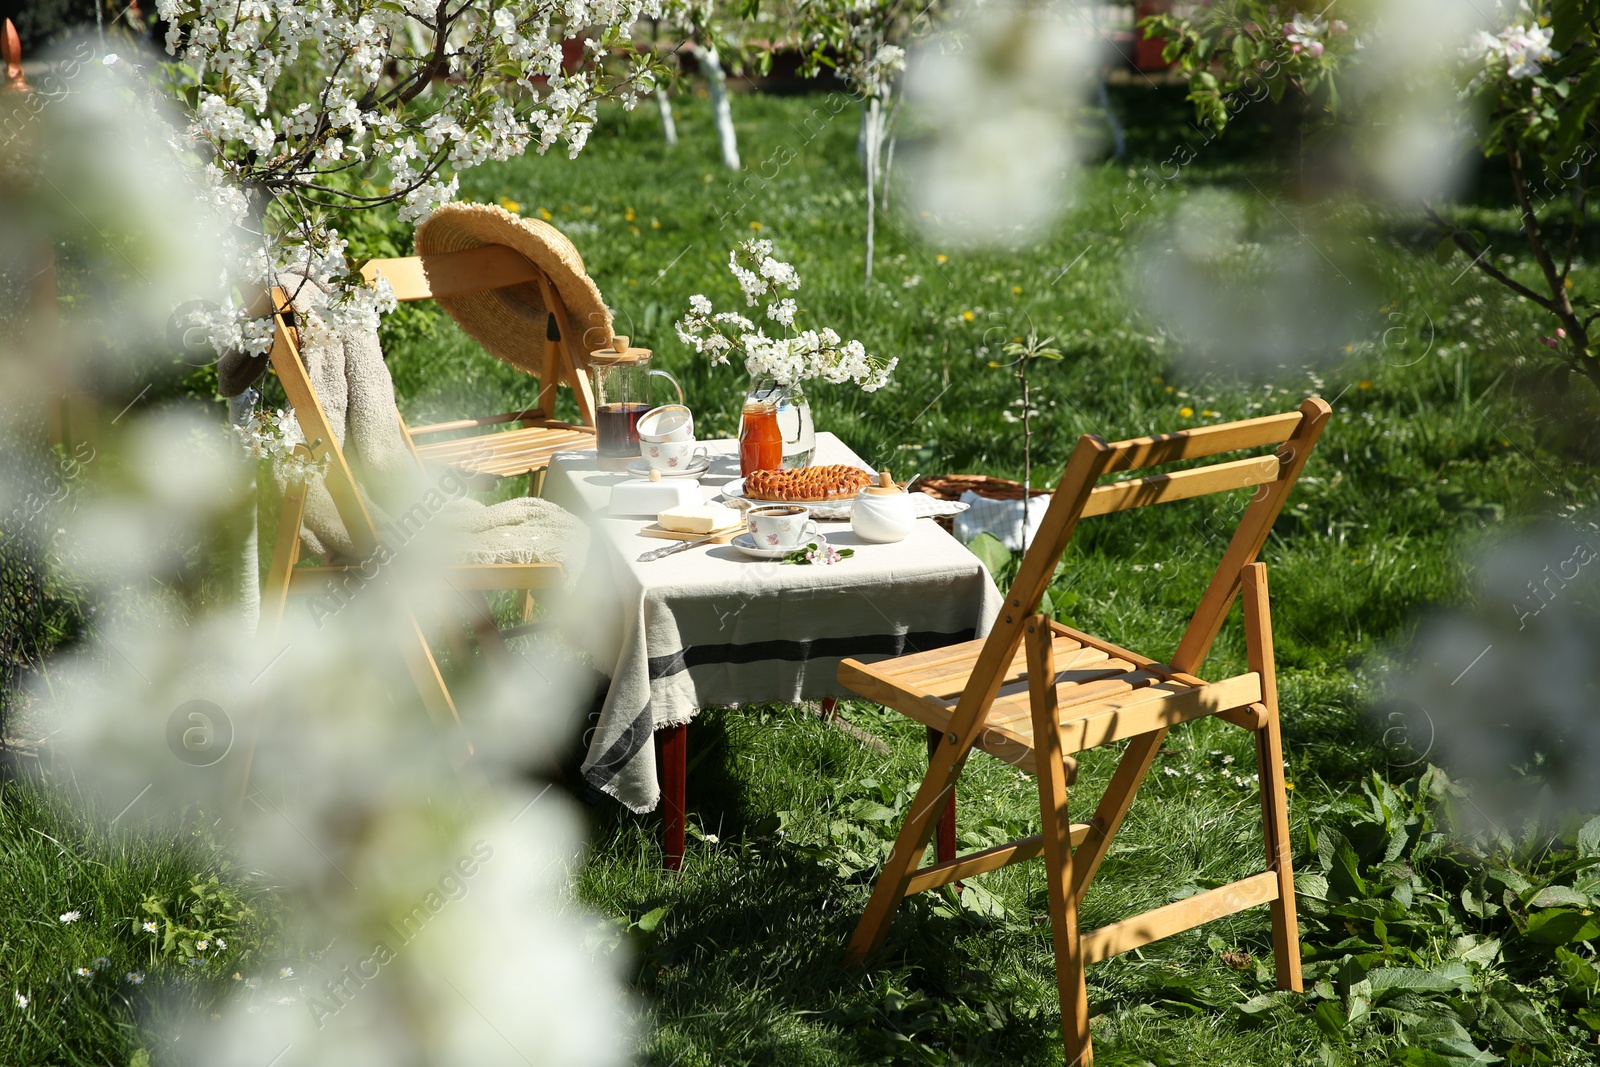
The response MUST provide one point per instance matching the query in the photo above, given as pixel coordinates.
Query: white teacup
(670, 422)
(786, 526)
(671, 455)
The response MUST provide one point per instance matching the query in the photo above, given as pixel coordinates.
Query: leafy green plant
(195, 925)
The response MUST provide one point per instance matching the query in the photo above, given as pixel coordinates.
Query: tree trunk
(669, 129)
(874, 143)
(717, 82)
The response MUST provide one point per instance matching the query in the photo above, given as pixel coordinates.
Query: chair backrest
(1079, 494)
(475, 270)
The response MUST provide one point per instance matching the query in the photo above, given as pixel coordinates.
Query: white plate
(747, 544)
(694, 470)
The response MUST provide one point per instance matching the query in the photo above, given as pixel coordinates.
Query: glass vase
(794, 418)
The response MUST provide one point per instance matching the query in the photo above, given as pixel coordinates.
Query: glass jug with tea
(622, 392)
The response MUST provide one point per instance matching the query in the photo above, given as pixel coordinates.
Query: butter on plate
(698, 518)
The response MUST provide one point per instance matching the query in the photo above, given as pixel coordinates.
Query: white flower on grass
(22, 1001)
(148, 928)
(83, 973)
(202, 944)
(286, 972)
(713, 839)
(101, 963)
(135, 977)
(71, 916)
(221, 944)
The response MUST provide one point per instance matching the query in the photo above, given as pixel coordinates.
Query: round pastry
(807, 484)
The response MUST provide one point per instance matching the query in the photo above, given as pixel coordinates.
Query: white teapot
(883, 512)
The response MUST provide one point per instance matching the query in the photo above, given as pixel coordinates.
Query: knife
(657, 553)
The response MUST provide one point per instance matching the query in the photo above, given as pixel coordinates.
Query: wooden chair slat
(1117, 938)
(472, 270)
(1202, 441)
(1181, 485)
(990, 859)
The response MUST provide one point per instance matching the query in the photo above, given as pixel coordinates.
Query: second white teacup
(786, 526)
(671, 455)
(670, 422)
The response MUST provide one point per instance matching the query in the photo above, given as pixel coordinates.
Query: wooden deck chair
(285, 577)
(1065, 691)
(528, 448)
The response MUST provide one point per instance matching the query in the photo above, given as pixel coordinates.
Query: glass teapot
(621, 377)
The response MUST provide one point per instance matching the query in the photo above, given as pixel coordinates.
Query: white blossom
(801, 356)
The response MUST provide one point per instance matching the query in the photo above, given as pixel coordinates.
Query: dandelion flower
(1186, 411)
(941, 258)
(755, 225)
(543, 214)
(1365, 383)
(967, 315)
(511, 205)
(71, 916)
(1016, 290)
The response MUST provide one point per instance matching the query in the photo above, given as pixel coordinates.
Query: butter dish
(648, 497)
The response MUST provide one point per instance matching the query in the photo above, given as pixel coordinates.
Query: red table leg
(944, 836)
(672, 758)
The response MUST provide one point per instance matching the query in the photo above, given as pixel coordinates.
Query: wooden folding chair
(284, 575)
(506, 453)
(1067, 691)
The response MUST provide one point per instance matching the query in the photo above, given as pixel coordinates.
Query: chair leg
(1057, 830)
(1275, 827)
(1269, 763)
(944, 767)
(944, 836)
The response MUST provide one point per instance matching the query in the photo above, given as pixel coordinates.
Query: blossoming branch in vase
(796, 357)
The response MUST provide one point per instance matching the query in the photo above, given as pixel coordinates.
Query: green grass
(1438, 443)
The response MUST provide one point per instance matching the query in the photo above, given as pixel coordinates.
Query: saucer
(746, 543)
(695, 469)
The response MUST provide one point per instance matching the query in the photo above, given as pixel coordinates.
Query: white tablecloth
(711, 626)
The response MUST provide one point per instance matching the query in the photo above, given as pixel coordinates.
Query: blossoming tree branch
(300, 106)
(1521, 80)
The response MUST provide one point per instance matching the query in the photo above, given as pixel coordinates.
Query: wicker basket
(951, 486)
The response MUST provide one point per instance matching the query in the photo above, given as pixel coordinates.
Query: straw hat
(511, 322)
